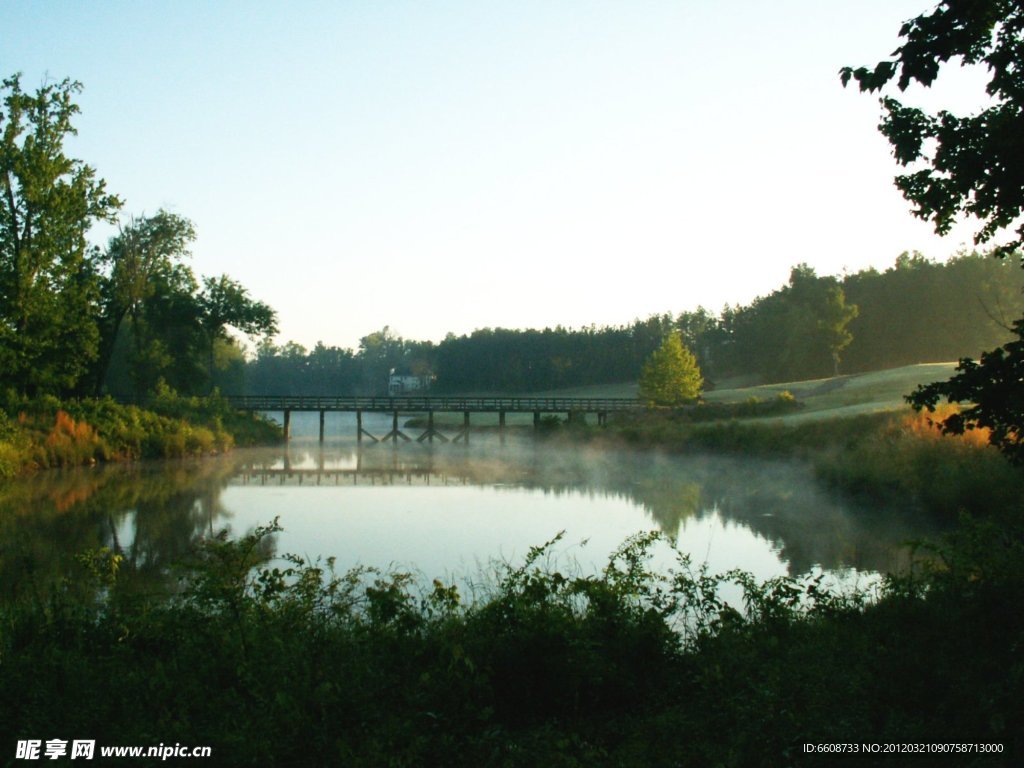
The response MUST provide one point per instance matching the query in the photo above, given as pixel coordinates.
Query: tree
(818, 323)
(48, 201)
(670, 376)
(380, 353)
(225, 302)
(138, 261)
(968, 165)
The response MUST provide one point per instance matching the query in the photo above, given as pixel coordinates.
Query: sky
(440, 167)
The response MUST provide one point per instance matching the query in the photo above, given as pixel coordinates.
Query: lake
(449, 510)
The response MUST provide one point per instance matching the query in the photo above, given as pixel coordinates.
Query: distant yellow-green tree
(671, 376)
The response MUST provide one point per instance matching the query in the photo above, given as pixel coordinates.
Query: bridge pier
(464, 432)
(431, 433)
(322, 412)
(395, 432)
(287, 424)
(360, 431)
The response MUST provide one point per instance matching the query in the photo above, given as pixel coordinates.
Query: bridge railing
(423, 403)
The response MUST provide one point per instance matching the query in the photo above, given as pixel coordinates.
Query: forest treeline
(916, 311)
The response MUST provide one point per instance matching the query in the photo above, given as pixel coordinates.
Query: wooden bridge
(572, 406)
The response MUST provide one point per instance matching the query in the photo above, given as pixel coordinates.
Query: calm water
(447, 510)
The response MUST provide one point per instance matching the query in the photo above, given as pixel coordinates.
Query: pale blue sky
(446, 166)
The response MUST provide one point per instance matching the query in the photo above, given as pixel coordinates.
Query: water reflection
(464, 501)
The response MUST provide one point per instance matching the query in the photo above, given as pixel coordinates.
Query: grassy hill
(844, 395)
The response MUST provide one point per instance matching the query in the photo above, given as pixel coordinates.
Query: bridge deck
(436, 404)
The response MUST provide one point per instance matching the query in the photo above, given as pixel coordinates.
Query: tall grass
(46, 432)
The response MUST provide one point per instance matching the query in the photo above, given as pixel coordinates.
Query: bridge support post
(359, 428)
(287, 424)
(464, 432)
(395, 432)
(322, 413)
(536, 419)
(431, 433)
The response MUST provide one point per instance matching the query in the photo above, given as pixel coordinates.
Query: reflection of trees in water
(150, 514)
(153, 514)
(778, 500)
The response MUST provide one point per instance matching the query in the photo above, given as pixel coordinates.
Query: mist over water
(450, 510)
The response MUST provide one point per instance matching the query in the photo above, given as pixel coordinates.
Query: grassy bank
(885, 456)
(628, 668)
(46, 432)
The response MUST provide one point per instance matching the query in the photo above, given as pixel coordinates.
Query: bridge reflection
(370, 467)
(360, 476)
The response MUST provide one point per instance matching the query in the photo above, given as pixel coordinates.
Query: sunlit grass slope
(844, 395)
(821, 398)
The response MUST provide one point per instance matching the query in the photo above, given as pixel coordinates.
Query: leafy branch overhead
(973, 164)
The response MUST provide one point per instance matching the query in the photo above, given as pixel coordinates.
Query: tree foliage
(970, 165)
(139, 261)
(225, 303)
(78, 319)
(48, 201)
(670, 376)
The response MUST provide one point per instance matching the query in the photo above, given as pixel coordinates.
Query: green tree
(48, 201)
(380, 353)
(968, 165)
(817, 324)
(225, 303)
(137, 262)
(670, 376)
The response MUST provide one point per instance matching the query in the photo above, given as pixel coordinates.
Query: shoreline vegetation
(44, 432)
(297, 664)
(879, 457)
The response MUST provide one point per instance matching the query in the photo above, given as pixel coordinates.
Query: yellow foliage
(70, 441)
(923, 425)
